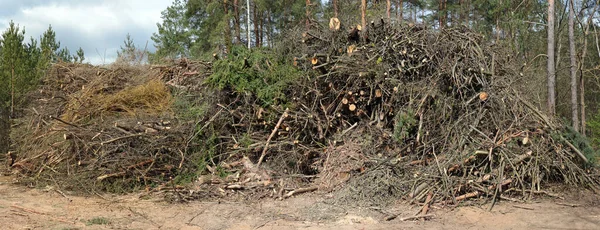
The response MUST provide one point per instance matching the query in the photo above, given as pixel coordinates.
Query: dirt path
(25, 208)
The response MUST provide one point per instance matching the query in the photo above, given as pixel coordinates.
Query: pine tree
(174, 36)
(128, 51)
(64, 55)
(13, 60)
(48, 49)
(80, 55)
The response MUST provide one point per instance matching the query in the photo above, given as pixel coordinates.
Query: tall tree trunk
(256, 26)
(12, 91)
(227, 26)
(307, 14)
(248, 22)
(388, 10)
(400, 9)
(551, 70)
(446, 12)
(261, 31)
(236, 12)
(574, 109)
(335, 8)
(363, 12)
(581, 65)
(270, 28)
(440, 8)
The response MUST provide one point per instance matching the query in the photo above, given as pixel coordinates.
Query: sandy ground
(27, 208)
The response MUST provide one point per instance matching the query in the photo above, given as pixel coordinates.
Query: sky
(97, 26)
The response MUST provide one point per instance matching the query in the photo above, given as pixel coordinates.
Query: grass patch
(98, 221)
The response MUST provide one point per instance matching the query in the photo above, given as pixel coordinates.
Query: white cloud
(95, 25)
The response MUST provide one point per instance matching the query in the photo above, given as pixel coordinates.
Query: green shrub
(582, 143)
(259, 72)
(593, 126)
(404, 126)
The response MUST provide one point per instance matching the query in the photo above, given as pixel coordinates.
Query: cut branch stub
(483, 96)
(352, 107)
(314, 60)
(334, 24)
(351, 49)
(378, 93)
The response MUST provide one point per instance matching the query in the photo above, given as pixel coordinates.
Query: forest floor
(34, 208)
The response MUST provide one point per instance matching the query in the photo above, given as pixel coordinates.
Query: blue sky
(98, 26)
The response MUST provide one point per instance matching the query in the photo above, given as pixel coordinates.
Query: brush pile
(437, 113)
(377, 115)
(100, 128)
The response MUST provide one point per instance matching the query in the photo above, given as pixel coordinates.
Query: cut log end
(345, 101)
(334, 24)
(351, 49)
(483, 96)
(314, 60)
(352, 107)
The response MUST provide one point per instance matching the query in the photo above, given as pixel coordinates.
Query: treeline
(199, 27)
(23, 62)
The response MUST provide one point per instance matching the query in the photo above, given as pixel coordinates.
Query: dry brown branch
(300, 190)
(264, 152)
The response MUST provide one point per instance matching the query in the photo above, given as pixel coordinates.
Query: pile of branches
(377, 114)
(442, 104)
(112, 128)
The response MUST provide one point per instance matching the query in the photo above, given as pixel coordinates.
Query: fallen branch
(300, 190)
(427, 202)
(64, 122)
(264, 152)
(121, 138)
(391, 217)
(416, 217)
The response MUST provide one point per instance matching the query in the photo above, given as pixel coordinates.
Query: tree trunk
(446, 12)
(581, 65)
(388, 10)
(270, 29)
(227, 26)
(400, 9)
(236, 12)
(551, 70)
(440, 21)
(261, 30)
(12, 92)
(574, 109)
(307, 14)
(256, 27)
(363, 12)
(248, 21)
(335, 9)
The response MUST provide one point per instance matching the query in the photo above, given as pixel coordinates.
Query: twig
(63, 194)
(64, 122)
(569, 205)
(264, 152)
(300, 190)
(203, 127)
(579, 153)
(427, 202)
(521, 207)
(409, 218)
(348, 130)
(120, 138)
